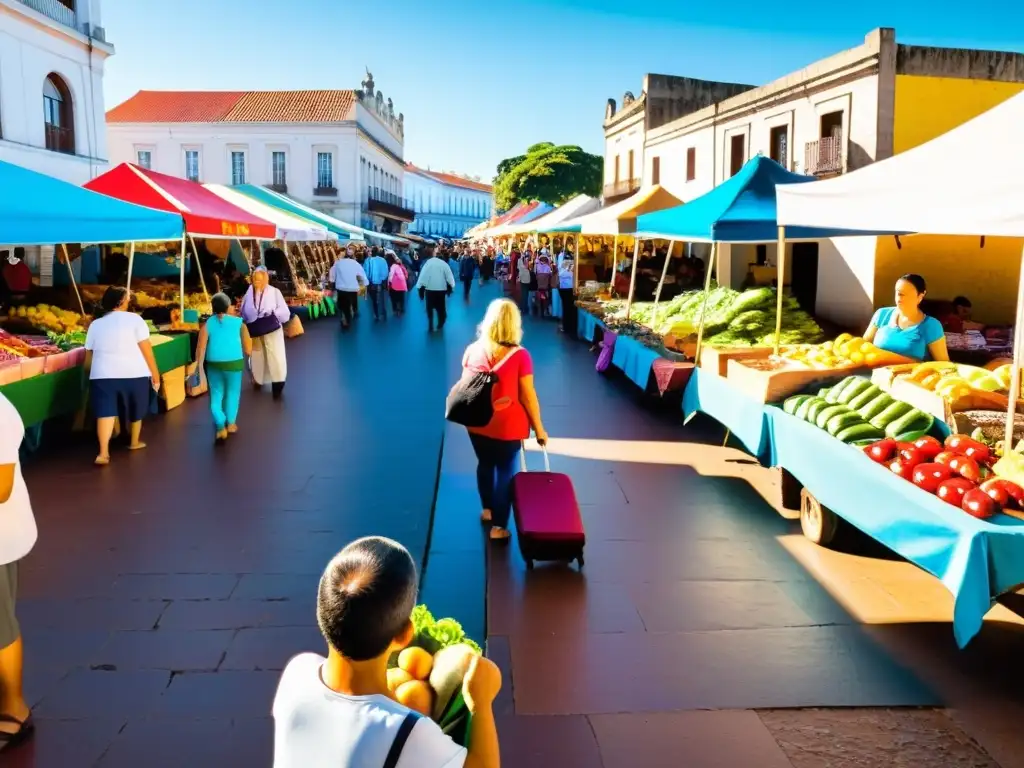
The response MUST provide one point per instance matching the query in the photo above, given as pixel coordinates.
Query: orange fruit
(416, 661)
(396, 677)
(417, 696)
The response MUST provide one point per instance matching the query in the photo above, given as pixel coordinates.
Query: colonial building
(339, 151)
(445, 204)
(52, 55)
(836, 115)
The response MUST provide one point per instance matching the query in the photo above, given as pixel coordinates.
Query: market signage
(235, 230)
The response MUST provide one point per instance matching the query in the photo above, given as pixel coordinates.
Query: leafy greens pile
(435, 634)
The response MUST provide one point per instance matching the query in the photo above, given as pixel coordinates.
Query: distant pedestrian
(525, 278)
(265, 312)
(18, 536)
(545, 282)
(347, 278)
(224, 345)
(567, 293)
(376, 269)
(398, 284)
(467, 270)
(435, 284)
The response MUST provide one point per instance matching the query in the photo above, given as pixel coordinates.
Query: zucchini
(876, 406)
(824, 393)
(860, 432)
(793, 403)
(865, 397)
(841, 421)
(827, 413)
(909, 437)
(817, 406)
(895, 411)
(857, 387)
(912, 421)
(802, 409)
(837, 390)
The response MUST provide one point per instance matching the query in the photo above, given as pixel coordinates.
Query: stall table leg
(790, 488)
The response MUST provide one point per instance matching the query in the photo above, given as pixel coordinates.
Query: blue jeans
(496, 465)
(225, 395)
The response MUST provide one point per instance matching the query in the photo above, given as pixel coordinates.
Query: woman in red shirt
(516, 410)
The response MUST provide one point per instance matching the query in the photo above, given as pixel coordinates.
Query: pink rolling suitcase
(548, 521)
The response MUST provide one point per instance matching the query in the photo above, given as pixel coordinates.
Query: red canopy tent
(205, 214)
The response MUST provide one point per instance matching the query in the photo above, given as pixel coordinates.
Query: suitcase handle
(522, 458)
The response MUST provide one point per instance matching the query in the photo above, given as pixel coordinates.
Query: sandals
(25, 730)
(485, 516)
(500, 535)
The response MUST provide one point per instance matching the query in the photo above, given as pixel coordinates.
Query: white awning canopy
(289, 228)
(580, 205)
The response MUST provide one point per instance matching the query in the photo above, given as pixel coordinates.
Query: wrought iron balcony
(825, 156)
(281, 188)
(325, 192)
(61, 11)
(388, 204)
(620, 189)
(60, 139)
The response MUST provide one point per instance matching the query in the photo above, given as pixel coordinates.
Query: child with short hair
(338, 712)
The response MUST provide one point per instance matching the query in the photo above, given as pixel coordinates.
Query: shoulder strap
(404, 731)
(494, 368)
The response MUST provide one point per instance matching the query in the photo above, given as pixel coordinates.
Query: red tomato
(953, 490)
(928, 446)
(928, 476)
(966, 468)
(909, 454)
(945, 457)
(899, 468)
(960, 444)
(979, 452)
(997, 494)
(1013, 491)
(977, 503)
(882, 451)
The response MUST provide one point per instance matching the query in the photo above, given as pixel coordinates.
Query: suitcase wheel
(529, 564)
(579, 560)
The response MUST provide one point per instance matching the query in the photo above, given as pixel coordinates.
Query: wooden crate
(935, 404)
(771, 386)
(716, 359)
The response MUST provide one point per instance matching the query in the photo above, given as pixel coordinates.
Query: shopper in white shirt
(17, 537)
(435, 284)
(337, 712)
(119, 358)
(348, 278)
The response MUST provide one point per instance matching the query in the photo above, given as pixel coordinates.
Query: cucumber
(802, 409)
(817, 406)
(895, 411)
(909, 437)
(842, 421)
(793, 403)
(824, 393)
(860, 432)
(857, 387)
(876, 406)
(865, 397)
(837, 390)
(912, 421)
(827, 413)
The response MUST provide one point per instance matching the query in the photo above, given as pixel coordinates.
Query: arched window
(58, 115)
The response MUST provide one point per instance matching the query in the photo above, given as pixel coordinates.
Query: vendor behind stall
(956, 317)
(905, 329)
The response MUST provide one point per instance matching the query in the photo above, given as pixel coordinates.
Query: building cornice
(629, 109)
(55, 28)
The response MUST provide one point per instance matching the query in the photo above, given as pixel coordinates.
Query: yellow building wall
(927, 107)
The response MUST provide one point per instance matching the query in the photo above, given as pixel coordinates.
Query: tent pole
(131, 263)
(657, 293)
(575, 265)
(615, 259)
(632, 276)
(704, 304)
(1018, 358)
(199, 267)
(71, 274)
(181, 281)
(778, 290)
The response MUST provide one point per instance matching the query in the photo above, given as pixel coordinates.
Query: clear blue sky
(480, 81)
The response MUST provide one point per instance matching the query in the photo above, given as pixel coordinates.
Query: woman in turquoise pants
(224, 345)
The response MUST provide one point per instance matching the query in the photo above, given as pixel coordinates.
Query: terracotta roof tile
(175, 107)
(328, 106)
(452, 179)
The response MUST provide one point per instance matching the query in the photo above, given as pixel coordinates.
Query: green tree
(549, 173)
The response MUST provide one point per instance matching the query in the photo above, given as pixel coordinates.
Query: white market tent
(289, 228)
(577, 206)
(969, 181)
(620, 218)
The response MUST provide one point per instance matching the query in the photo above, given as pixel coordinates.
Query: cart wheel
(529, 564)
(818, 523)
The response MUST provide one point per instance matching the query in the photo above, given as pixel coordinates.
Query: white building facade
(445, 204)
(52, 55)
(339, 151)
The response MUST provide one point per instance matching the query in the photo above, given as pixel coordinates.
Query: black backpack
(470, 402)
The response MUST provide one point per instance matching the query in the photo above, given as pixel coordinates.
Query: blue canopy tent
(739, 210)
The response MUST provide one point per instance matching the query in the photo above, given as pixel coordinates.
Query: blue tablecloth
(634, 359)
(976, 560)
(745, 418)
(587, 325)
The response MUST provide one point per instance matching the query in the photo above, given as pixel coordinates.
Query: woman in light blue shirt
(905, 329)
(224, 345)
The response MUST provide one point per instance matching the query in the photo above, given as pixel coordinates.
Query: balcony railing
(56, 10)
(388, 204)
(325, 192)
(620, 189)
(282, 188)
(824, 157)
(60, 139)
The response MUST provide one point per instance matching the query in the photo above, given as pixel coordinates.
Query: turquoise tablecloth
(745, 418)
(587, 325)
(634, 359)
(976, 560)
